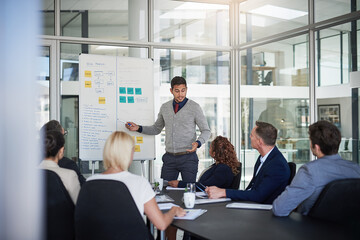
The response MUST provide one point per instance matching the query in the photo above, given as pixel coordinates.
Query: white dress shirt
(262, 160)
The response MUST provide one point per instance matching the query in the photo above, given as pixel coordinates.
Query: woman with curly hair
(222, 172)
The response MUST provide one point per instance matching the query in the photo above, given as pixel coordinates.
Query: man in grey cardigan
(179, 117)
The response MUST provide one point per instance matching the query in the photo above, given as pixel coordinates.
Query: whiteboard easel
(114, 90)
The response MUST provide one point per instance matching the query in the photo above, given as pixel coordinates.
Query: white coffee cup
(189, 199)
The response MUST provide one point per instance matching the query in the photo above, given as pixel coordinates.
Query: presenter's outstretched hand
(194, 147)
(174, 183)
(131, 126)
(215, 192)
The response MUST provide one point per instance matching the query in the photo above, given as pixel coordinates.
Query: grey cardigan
(180, 128)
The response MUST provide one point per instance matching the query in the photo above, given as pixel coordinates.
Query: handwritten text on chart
(94, 128)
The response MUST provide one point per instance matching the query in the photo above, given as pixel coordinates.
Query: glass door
(46, 84)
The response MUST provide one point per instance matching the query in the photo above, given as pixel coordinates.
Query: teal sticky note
(130, 90)
(131, 100)
(122, 99)
(138, 91)
(122, 90)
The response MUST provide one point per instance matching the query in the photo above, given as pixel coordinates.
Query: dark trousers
(186, 164)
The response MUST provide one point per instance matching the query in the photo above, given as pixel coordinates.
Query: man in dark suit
(65, 162)
(271, 171)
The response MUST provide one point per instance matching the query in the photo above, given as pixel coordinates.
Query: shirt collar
(181, 104)
(48, 163)
(262, 159)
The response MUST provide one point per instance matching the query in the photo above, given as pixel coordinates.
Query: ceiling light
(278, 12)
(201, 6)
(183, 15)
(107, 47)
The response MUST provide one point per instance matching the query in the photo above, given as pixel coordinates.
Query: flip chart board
(114, 90)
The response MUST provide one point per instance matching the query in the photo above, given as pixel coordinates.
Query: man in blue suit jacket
(271, 171)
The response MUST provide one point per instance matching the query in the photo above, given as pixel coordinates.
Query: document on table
(174, 188)
(204, 201)
(201, 195)
(166, 206)
(163, 198)
(192, 214)
(250, 206)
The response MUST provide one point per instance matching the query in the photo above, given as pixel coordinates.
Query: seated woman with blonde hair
(222, 172)
(118, 155)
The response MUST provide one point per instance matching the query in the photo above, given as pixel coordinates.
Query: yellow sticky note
(137, 148)
(87, 73)
(88, 84)
(101, 100)
(139, 139)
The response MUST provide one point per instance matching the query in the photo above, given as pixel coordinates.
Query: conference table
(221, 223)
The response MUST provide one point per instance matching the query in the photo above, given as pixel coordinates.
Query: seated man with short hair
(271, 172)
(312, 177)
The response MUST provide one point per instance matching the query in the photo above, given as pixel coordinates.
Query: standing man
(271, 171)
(179, 117)
(312, 177)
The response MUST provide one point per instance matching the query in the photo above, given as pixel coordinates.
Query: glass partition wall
(244, 61)
(275, 89)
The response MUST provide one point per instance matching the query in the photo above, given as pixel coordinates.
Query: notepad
(205, 201)
(166, 206)
(173, 188)
(250, 206)
(192, 214)
(163, 198)
(201, 195)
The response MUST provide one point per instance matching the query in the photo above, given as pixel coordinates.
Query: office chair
(236, 181)
(339, 202)
(59, 209)
(292, 167)
(106, 210)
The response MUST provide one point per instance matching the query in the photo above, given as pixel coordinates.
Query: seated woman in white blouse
(117, 156)
(54, 151)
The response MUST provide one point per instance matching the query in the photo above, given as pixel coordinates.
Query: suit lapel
(257, 164)
(268, 160)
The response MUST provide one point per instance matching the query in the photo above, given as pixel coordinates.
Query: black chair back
(59, 209)
(292, 167)
(237, 178)
(339, 202)
(106, 210)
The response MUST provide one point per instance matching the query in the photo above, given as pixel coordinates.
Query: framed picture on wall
(302, 116)
(330, 113)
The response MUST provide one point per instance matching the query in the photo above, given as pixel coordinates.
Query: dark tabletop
(221, 223)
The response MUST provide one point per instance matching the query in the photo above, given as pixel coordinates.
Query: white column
(20, 183)
(137, 25)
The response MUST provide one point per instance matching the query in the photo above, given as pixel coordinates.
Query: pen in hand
(202, 185)
(125, 123)
(200, 188)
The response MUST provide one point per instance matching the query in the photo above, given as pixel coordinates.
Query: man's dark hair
(52, 125)
(177, 81)
(267, 132)
(326, 135)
